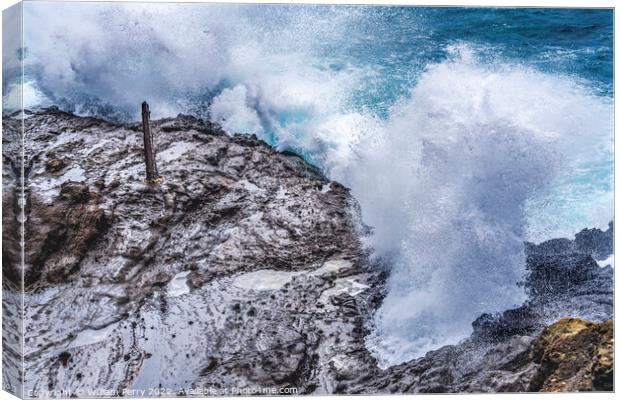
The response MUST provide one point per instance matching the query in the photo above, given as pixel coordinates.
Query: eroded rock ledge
(244, 269)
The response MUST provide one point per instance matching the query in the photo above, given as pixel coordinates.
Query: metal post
(149, 155)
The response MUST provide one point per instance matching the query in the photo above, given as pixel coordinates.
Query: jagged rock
(496, 328)
(596, 242)
(516, 350)
(574, 355)
(60, 234)
(569, 355)
(593, 242)
(561, 281)
(54, 165)
(148, 285)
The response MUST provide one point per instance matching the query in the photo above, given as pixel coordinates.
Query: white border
(487, 3)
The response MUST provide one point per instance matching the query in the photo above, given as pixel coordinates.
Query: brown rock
(61, 234)
(54, 165)
(574, 355)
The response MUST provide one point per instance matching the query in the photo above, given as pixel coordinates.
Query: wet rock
(54, 165)
(64, 358)
(122, 274)
(497, 328)
(525, 349)
(567, 356)
(594, 242)
(561, 280)
(61, 234)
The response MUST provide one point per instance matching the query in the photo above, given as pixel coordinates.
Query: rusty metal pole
(149, 154)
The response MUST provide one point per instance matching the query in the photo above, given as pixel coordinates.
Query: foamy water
(457, 146)
(470, 151)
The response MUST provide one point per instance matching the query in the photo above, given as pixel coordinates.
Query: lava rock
(574, 355)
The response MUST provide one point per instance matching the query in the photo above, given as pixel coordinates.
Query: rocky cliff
(242, 272)
(242, 269)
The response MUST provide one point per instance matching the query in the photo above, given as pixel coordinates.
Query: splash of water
(447, 183)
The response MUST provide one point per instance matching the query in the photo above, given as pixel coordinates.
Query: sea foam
(447, 185)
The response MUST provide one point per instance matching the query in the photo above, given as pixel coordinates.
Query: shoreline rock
(104, 249)
(574, 355)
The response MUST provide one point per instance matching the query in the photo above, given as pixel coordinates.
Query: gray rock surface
(240, 271)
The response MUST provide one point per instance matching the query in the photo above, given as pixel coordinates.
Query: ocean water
(462, 132)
